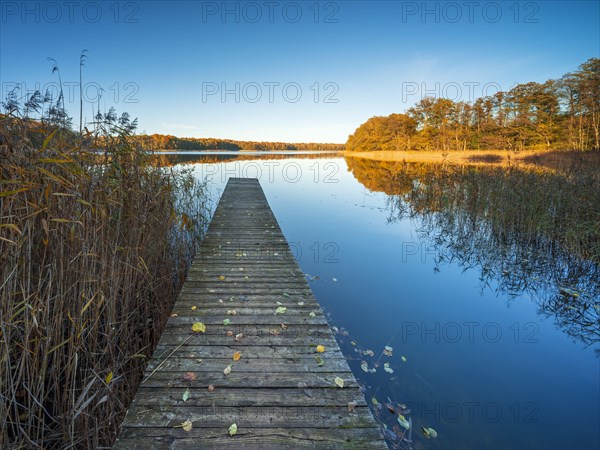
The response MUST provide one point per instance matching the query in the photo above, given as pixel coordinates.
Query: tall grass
(93, 250)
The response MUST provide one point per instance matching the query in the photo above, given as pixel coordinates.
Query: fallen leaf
(353, 343)
(390, 408)
(108, 378)
(285, 294)
(312, 314)
(186, 395)
(221, 278)
(351, 406)
(211, 388)
(280, 310)
(387, 368)
(174, 315)
(403, 359)
(364, 366)
(231, 312)
(198, 327)
(189, 376)
(429, 433)
(369, 353)
(279, 303)
(283, 326)
(239, 337)
(334, 279)
(233, 429)
(227, 370)
(339, 382)
(193, 308)
(237, 356)
(300, 303)
(226, 322)
(319, 360)
(320, 348)
(229, 333)
(274, 332)
(187, 425)
(402, 420)
(374, 401)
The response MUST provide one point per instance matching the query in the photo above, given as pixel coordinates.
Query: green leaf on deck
(233, 429)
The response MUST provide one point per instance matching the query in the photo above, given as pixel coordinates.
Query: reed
(93, 251)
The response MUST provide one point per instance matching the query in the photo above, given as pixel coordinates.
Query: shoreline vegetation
(94, 248)
(555, 115)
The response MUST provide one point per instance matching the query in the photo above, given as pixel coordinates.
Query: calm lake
(494, 334)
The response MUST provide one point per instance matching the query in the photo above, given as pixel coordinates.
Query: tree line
(557, 114)
(169, 142)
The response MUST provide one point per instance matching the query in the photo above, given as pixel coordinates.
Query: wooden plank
(281, 393)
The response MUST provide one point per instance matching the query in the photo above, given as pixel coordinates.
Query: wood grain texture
(281, 393)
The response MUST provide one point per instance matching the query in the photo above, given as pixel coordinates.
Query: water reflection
(525, 231)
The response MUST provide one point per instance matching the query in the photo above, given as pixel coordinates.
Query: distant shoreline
(476, 156)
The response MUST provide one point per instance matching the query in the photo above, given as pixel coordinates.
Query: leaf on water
(233, 429)
(403, 359)
(109, 377)
(388, 351)
(387, 368)
(339, 382)
(320, 348)
(211, 388)
(198, 327)
(402, 421)
(374, 401)
(319, 360)
(227, 370)
(351, 406)
(281, 310)
(189, 376)
(186, 395)
(429, 433)
(226, 322)
(369, 353)
(312, 314)
(334, 280)
(237, 356)
(193, 308)
(239, 337)
(364, 366)
(353, 343)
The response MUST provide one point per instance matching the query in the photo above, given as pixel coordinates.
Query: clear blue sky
(167, 63)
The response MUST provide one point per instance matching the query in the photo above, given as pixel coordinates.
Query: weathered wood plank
(281, 393)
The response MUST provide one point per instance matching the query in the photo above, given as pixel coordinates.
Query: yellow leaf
(187, 425)
(221, 278)
(339, 382)
(108, 378)
(320, 348)
(233, 429)
(237, 356)
(193, 308)
(198, 327)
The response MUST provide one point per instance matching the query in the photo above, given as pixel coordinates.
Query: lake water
(490, 346)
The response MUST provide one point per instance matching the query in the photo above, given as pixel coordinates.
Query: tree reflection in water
(527, 230)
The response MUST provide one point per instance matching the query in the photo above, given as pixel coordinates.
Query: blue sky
(288, 71)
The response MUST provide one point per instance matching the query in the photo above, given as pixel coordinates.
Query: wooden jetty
(281, 393)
